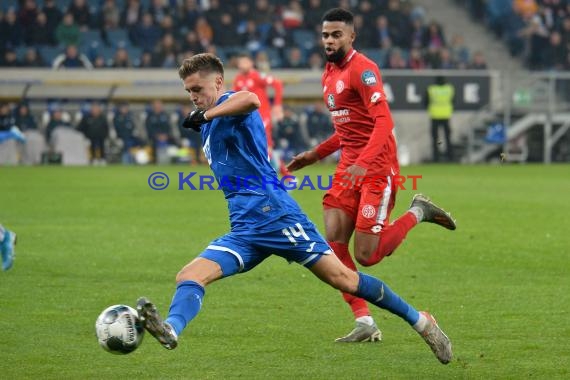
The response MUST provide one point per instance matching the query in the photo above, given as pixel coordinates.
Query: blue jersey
(236, 149)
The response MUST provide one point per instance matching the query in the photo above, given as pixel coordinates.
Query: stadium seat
(304, 38)
(377, 55)
(274, 57)
(90, 39)
(118, 38)
(48, 53)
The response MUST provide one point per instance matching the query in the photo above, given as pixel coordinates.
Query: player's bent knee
(200, 270)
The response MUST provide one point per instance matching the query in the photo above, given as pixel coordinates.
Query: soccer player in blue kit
(264, 219)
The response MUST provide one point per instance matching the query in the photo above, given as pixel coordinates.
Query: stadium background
(507, 59)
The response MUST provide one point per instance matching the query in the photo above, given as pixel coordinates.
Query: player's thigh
(234, 254)
(376, 203)
(297, 241)
(340, 206)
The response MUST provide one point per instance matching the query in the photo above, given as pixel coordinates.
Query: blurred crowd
(159, 33)
(538, 31)
(118, 133)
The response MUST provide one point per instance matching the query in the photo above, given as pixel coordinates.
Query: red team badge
(368, 211)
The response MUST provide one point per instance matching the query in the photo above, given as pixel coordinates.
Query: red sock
(391, 237)
(358, 305)
(283, 169)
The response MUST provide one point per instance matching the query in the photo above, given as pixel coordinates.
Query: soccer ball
(119, 329)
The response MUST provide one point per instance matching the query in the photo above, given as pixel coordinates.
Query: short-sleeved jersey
(256, 82)
(236, 149)
(354, 94)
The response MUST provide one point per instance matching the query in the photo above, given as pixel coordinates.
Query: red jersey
(354, 94)
(257, 83)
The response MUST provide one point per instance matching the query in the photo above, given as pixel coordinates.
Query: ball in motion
(119, 329)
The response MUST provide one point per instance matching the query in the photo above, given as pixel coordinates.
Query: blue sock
(376, 292)
(185, 305)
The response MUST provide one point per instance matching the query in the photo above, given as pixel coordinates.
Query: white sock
(366, 319)
(1, 233)
(418, 213)
(421, 323)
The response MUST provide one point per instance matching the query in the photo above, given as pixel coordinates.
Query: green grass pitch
(92, 237)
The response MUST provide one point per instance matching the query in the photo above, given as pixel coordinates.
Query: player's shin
(378, 293)
(185, 305)
(357, 305)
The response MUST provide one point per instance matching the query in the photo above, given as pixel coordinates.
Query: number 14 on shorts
(293, 232)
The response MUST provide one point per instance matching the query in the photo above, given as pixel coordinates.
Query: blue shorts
(298, 242)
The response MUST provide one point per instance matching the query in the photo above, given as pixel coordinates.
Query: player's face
(337, 39)
(204, 89)
(244, 64)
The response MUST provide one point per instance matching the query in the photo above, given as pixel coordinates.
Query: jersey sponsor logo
(207, 152)
(375, 97)
(325, 89)
(339, 86)
(330, 101)
(368, 78)
(368, 211)
(340, 113)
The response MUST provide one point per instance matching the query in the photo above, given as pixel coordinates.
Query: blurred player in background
(354, 94)
(264, 219)
(7, 247)
(250, 79)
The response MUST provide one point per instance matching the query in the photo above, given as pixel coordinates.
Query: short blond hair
(205, 62)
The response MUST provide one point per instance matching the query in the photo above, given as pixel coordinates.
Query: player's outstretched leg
(154, 324)
(432, 213)
(436, 339)
(7, 248)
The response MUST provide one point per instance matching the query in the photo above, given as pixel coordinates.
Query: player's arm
(324, 149)
(239, 103)
(277, 85)
(372, 95)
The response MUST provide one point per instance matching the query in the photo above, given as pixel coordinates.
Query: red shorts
(369, 206)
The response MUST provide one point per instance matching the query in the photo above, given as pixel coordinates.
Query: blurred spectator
(167, 26)
(121, 59)
(146, 60)
(555, 54)
(191, 43)
(71, 58)
(204, 31)
(99, 62)
(7, 120)
(317, 122)
(251, 38)
(263, 14)
(416, 61)
(146, 35)
(165, 53)
(158, 10)
(53, 15)
(41, 33)
(10, 59)
(459, 52)
(11, 34)
(131, 17)
(478, 62)
(382, 32)
(395, 60)
(445, 60)
(126, 128)
(292, 15)
(316, 61)
(67, 33)
(110, 16)
(157, 127)
(81, 13)
(289, 139)
(32, 58)
(24, 119)
(399, 23)
(433, 38)
(295, 59)
(189, 14)
(313, 14)
(278, 37)
(227, 31)
(95, 127)
(27, 19)
(525, 8)
(56, 120)
(417, 32)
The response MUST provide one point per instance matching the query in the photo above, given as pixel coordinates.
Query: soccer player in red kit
(249, 79)
(354, 94)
